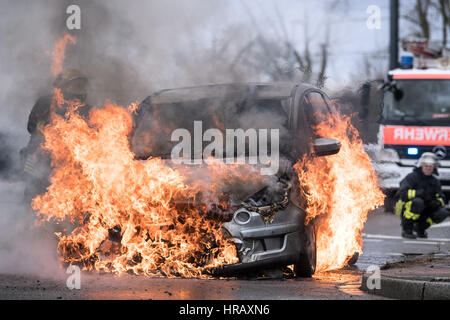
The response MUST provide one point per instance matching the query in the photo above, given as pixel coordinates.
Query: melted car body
(267, 223)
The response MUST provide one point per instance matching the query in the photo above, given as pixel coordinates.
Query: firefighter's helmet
(72, 81)
(428, 158)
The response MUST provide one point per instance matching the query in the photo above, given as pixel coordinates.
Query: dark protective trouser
(415, 211)
(36, 169)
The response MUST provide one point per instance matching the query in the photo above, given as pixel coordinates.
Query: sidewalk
(424, 277)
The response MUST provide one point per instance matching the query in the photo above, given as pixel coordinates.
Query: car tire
(353, 259)
(306, 264)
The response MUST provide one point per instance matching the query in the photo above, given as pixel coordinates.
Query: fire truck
(415, 116)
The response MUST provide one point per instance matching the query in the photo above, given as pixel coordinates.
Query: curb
(408, 288)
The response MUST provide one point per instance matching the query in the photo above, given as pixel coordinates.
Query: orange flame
(58, 52)
(340, 190)
(129, 215)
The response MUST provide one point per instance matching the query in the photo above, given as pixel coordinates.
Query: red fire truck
(415, 116)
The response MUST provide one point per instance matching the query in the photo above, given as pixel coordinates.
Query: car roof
(277, 90)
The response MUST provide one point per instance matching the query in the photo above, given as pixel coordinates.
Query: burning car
(264, 216)
(207, 180)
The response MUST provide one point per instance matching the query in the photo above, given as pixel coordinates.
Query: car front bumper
(261, 244)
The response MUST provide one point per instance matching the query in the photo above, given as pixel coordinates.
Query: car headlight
(388, 155)
(242, 217)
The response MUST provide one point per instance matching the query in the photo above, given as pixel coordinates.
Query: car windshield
(422, 102)
(152, 136)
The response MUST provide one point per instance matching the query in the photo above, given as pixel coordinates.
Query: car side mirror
(398, 94)
(326, 146)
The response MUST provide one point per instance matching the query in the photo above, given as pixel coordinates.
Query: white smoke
(128, 51)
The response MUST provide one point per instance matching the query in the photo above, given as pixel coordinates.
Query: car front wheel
(306, 264)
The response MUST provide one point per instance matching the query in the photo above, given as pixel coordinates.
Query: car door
(316, 110)
(310, 108)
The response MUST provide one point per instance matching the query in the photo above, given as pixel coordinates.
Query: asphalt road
(29, 268)
(383, 242)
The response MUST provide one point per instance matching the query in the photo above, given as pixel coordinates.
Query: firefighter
(421, 201)
(73, 86)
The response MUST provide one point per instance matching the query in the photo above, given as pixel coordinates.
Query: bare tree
(419, 16)
(443, 9)
(279, 59)
(265, 54)
(321, 78)
(425, 13)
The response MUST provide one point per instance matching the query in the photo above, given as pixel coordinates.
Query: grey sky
(130, 49)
